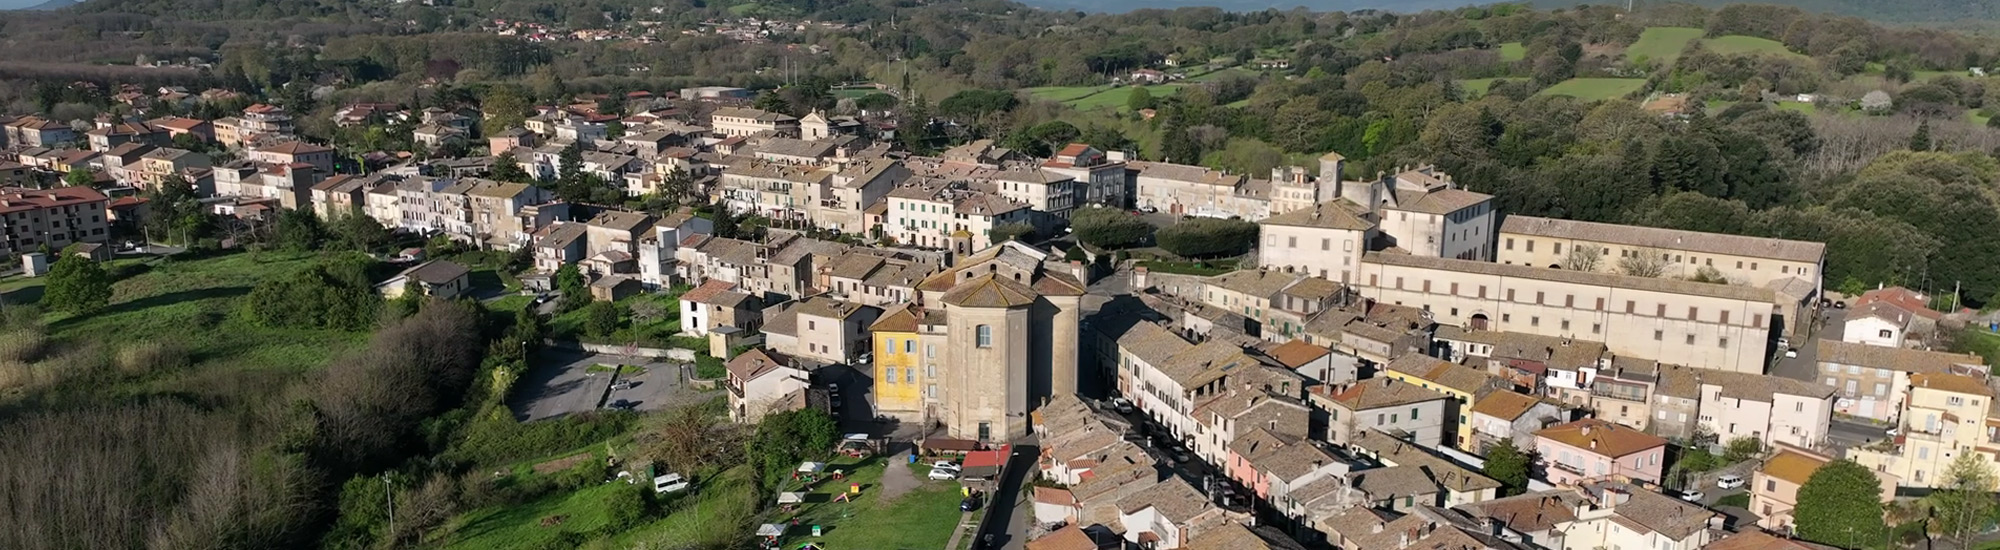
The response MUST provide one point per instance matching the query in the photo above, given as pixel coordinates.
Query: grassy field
(1799, 106)
(1977, 340)
(1593, 89)
(569, 325)
(921, 518)
(1739, 500)
(1747, 45)
(1662, 44)
(190, 303)
(1115, 98)
(520, 526)
(1477, 86)
(717, 515)
(1513, 51)
(1064, 93)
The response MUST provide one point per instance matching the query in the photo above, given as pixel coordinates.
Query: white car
(1730, 481)
(944, 465)
(670, 483)
(1691, 496)
(942, 474)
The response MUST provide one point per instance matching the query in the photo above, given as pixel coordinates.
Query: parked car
(1692, 496)
(970, 503)
(1122, 405)
(943, 474)
(623, 385)
(670, 483)
(1784, 342)
(1791, 353)
(1182, 456)
(1729, 481)
(944, 464)
(624, 404)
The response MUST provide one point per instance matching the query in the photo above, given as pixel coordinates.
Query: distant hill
(1899, 11)
(1120, 6)
(53, 5)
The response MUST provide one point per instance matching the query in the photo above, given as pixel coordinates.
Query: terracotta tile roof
(1670, 286)
(1067, 538)
(990, 291)
(1951, 383)
(1903, 298)
(1335, 214)
(1052, 495)
(1297, 353)
(1667, 239)
(1173, 498)
(1793, 466)
(1604, 438)
(1898, 359)
(1528, 512)
(21, 200)
(1504, 405)
(755, 362)
(707, 291)
(1255, 282)
(1440, 202)
(294, 148)
(1370, 394)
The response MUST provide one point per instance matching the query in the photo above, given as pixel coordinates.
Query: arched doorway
(1478, 321)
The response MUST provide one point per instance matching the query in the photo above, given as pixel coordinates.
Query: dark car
(969, 504)
(623, 404)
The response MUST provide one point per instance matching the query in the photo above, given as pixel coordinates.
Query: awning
(791, 498)
(811, 467)
(771, 530)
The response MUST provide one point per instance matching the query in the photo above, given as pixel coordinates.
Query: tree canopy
(1840, 505)
(1109, 228)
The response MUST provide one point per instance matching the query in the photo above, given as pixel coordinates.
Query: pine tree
(1921, 141)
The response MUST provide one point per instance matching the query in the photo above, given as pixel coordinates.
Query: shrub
(497, 438)
(22, 345)
(600, 319)
(1208, 237)
(1109, 228)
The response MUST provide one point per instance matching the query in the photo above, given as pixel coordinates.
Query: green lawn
(1477, 86)
(520, 525)
(1116, 98)
(716, 515)
(1973, 116)
(1737, 44)
(191, 303)
(657, 333)
(1063, 93)
(921, 518)
(1739, 500)
(1592, 89)
(1513, 51)
(1978, 341)
(1663, 44)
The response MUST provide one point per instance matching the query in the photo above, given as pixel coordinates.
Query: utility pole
(389, 492)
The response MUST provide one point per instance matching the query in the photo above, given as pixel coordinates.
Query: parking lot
(560, 383)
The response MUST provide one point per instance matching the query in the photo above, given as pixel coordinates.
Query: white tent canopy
(811, 467)
(791, 498)
(771, 530)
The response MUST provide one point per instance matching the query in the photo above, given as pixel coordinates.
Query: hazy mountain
(49, 5)
(1906, 11)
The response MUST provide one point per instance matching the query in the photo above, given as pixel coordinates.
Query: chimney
(1376, 528)
(1403, 540)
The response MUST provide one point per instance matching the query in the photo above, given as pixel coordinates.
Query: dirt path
(897, 478)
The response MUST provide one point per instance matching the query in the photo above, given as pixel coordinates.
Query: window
(1538, 298)
(909, 375)
(1326, 244)
(930, 350)
(1658, 334)
(1722, 342)
(889, 374)
(1291, 242)
(983, 334)
(1662, 414)
(1885, 333)
(1881, 389)
(1954, 401)
(1531, 245)
(1690, 339)
(1629, 305)
(1559, 249)
(889, 344)
(1380, 419)
(1660, 311)
(909, 346)
(1534, 321)
(1510, 243)
(1565, 324)
(1413, 413)
(812, 325)
(1694, 313)
(1596, 328)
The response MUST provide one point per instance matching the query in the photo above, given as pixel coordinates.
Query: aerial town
(1340, 390)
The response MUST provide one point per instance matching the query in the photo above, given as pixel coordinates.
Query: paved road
(1004, 521)
(1806, 365)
